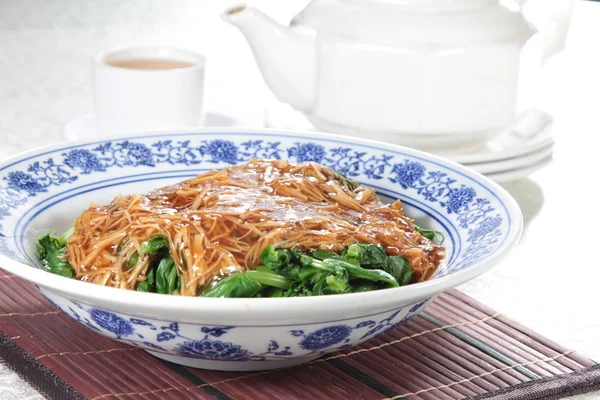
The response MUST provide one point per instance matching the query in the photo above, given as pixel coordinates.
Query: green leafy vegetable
(144, 286)
(168, 267)
(278, 261)
(366, 254)
(274, 258)
(149, 285)
(376, 275)
(290, 273)
(353, 271)
(51, 253)
(361, 267)
(299, 289)
(400, 269)
(133, 260)
(324, 254)
(241, 284)
(270, 279)
(271, 292)
(166, 276)
(154, 245)
(311, 276)
(236, 285)
(364, 287)
(336, 285)
(65, 237)
(434, 236)
(150, 277)
(372, 256)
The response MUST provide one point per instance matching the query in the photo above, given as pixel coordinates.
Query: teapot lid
(422, 23)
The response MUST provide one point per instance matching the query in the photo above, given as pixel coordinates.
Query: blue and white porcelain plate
(46, 189)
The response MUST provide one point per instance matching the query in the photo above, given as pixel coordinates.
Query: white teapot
(440, 72)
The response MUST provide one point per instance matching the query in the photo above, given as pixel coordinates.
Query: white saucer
(86, 126)
(513, 163)
(530, 133)
(514, 174)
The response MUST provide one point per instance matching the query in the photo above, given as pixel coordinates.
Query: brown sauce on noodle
(219, 222)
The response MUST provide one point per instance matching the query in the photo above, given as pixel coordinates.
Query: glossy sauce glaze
(220, 221)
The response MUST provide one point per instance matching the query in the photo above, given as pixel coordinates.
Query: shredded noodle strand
(219, 222)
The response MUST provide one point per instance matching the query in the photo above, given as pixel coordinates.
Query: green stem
(270, 279)
(63, 239)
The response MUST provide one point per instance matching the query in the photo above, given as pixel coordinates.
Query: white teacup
(148, 89)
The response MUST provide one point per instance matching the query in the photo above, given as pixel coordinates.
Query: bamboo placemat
(457, 348)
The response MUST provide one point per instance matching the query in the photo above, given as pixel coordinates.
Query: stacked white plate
(520, 150)
(524, 148)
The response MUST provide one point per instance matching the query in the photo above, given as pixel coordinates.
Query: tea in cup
(148, 89)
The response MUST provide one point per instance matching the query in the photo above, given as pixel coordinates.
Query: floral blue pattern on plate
(48, 188)
(213, 343)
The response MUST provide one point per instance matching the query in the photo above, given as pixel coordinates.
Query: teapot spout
(285, 55)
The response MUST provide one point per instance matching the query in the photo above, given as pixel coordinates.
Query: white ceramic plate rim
(153, 304)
